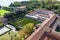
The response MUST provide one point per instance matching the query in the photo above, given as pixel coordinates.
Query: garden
(23, 21)
(24, 27)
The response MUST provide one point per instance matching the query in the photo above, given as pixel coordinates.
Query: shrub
(27, 30)
(29, 27)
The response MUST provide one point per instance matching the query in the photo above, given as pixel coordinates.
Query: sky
(8, 2)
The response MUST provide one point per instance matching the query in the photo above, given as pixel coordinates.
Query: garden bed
(23, 21)
(24, 25)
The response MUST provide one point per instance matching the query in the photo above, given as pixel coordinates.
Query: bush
(29, 27)
(27, 30)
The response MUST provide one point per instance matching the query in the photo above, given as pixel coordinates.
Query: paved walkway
(4, 30)
(11, 27)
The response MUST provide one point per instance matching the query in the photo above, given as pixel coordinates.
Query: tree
(26, 30)
(33, 5)
(9, 16)
(11, 5)
(29, 27)
(7, 8)
(25, 3)
(15, 4)
(20, 12)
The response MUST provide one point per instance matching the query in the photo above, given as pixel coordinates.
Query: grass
(2, 12)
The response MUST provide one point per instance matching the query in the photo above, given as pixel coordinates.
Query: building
(44, 32)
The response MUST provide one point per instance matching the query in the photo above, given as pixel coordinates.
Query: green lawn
(2, 12)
